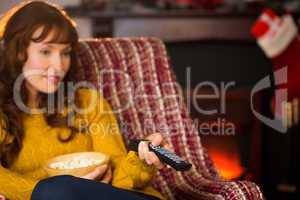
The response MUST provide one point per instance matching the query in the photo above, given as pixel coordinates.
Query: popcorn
(74, 163)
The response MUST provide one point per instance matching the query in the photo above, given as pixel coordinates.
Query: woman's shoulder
(88, 96)
(91, 104)
(91, 99)
(87, 92)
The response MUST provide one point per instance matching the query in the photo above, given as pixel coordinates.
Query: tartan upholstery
(135, 77)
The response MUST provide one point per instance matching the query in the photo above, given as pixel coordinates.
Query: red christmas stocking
(278, 38)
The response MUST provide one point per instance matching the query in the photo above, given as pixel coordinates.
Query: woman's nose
(57, 62)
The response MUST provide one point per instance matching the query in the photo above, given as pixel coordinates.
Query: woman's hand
(149, 156)
(2, 197)
(102, 173)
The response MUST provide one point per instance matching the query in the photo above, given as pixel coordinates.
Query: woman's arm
(129, 170)
(13, 185)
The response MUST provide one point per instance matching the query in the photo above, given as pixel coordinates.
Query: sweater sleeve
(13, 185)
(129, 171)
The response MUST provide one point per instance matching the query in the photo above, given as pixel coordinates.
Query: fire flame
(227, 163)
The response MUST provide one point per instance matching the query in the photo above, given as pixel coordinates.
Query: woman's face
(46, 64)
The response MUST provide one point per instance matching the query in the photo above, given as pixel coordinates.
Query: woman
(39, 120)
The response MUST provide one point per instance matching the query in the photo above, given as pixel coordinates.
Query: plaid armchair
(135, 76)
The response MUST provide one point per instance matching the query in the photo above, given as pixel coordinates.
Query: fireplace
(221, 74)
(226, 155)
(233, 136)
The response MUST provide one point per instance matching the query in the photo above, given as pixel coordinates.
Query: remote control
(164, 155)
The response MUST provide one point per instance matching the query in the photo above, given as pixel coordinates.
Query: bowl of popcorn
(75, 164)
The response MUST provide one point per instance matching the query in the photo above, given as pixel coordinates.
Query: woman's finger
(167, 146)
(155, 138)
(146, 152)
(96, 173)
(143, 149)
(107, 176)
(153, 159)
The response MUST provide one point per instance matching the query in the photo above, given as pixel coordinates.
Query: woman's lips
(53, 79)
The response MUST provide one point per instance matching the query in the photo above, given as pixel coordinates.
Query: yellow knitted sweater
(40, 144)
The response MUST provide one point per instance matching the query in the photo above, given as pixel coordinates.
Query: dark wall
(216, 61)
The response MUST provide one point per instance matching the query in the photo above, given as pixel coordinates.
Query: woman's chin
(49, 90)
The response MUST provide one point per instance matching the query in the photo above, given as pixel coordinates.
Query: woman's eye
(67, 53)
(45, 52)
